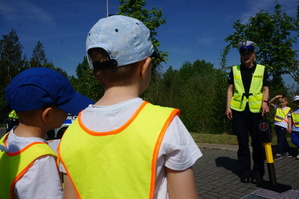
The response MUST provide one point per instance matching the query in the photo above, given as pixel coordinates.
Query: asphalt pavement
(217, 176)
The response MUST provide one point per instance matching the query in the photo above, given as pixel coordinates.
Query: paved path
(216, 175)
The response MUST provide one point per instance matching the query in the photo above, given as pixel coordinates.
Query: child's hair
(28, 117)
(111, 76)
(283, 97)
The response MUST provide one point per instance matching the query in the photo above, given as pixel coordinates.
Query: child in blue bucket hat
(42, 98)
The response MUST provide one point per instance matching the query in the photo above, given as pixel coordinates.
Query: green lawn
(228, 139)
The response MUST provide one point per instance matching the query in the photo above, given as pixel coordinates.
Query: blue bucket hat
(125, 39)
(41, 87)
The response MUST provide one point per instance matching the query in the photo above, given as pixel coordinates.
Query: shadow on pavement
(229, 164)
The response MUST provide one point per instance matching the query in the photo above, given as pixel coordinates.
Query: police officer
(12, 120)
(247, 102)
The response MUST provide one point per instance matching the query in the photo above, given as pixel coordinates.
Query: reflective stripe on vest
(255, 95)
(14, 165)
(295, 119)
(281, 114)
(119, 163)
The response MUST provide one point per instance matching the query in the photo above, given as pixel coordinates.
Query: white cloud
(254, 6)
(23, 10)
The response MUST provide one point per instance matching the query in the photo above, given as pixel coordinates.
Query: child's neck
(116, 95)
(23, 130)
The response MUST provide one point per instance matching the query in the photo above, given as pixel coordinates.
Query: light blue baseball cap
(125, 39)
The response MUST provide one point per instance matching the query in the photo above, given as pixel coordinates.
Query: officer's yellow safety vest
(14, 165)
(281, 114)
(295, 119)
(13, 115)
(255, 95)
(119, 163)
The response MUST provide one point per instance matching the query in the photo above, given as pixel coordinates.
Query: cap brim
(246, 49)
(76, 104)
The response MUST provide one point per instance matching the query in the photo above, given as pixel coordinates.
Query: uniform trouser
(245, 124)
(282, 143)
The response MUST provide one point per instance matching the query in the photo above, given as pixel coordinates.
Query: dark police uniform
(245, 124)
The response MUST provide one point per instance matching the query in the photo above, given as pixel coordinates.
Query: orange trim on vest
(113, 131)
(18, 152)
(18, 177)
(156, 151)
(133, 117)
(24, 170)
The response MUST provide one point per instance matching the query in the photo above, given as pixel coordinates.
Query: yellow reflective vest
(295, 119)
(280, 114)
(13, 115)
(255, 95)
(14, 165)
(119, 163)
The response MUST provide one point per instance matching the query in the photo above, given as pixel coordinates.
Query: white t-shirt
(178, 150)
(41, 181)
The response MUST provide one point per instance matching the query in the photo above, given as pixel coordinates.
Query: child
(129, 148)
(41, 97)
(281, 121)
(294, 126)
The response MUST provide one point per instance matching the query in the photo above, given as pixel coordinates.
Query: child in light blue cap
(129, 148)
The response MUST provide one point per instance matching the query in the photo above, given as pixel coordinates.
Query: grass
(215, 138)
(228, 139)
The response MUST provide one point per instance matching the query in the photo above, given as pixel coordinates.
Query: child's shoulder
(296, 110)
(286, 107)
(17, 143)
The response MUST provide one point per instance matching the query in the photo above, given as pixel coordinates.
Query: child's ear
(144, 66)
(46, 114)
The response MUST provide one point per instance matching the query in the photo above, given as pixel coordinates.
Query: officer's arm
(229, 96)
(69, 190)
(265, 106)
(289, 129)
(181, 184)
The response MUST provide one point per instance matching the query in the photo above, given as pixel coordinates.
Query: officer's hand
(229, 113)
(265, 108)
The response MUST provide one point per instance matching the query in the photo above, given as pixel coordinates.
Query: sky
(194, 29)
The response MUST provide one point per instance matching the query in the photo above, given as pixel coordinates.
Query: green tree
(275, 37)
(85, 83)
(11, 60)
(197, 89)
(38, 58)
